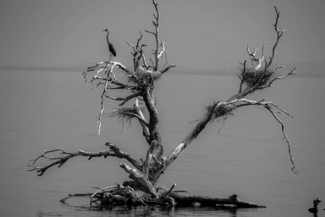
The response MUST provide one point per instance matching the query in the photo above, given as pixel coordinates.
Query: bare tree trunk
(140, 84)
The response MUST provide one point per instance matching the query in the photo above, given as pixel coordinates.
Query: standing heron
(110, 46)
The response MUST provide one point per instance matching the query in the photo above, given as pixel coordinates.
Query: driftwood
(128, 196)
(190, 200)
(140, 84)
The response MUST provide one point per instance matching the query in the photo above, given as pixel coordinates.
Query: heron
(110, 46)
(314, 209)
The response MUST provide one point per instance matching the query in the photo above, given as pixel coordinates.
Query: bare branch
(279, 34)
(195, 132)
(153, 112)
(256, 62)
(242, 77)
(268, 105)
(124, 99)
(167, 68)
(285, 137)
(156, 35)
(106, 68)
(217, 110)
(150, 32)
(102, 189)
(162, 50)
(113, 151)
(142, 120)
(269, 84)
(102, 102)
(59, 160)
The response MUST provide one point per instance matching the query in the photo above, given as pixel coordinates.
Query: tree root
(132, 197)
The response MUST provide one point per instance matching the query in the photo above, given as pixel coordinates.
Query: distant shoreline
(227, 72)
(39, 68)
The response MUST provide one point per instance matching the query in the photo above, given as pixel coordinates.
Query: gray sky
(205, 34)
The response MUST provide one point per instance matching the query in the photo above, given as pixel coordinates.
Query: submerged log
(125, 195)
(183, 199)
(139, 198)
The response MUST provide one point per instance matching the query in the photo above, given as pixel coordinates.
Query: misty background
(202, 35)
(45, 103)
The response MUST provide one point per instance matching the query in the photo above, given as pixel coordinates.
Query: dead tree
(140, 83)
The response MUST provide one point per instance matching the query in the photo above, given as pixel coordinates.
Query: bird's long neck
(109, 50)
(107, 39)
(315, 206)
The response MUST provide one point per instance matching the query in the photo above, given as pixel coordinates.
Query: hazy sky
(206, 34)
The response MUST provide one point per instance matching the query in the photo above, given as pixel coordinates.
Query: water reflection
(146, 211)
(46, 214)
(81, 205)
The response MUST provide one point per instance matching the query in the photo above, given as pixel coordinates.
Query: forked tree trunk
(141, 82)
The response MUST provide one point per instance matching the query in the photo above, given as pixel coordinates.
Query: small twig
(102, 189)
(113, 151)
(269, 84)
(268, 105)
(170, 190)
(242, 77)
(75, 195)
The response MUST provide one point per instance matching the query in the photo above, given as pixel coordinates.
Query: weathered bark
(132, 196)
(141, 179)
(140, 85)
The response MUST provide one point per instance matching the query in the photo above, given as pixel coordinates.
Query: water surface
(48, 110)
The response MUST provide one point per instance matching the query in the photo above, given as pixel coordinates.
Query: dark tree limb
(279, 34)
(112, 151)
(195, 132)
(269, 84)
(124, 99)
(143, 122)
(217, 110)
(153, 112)
(188, 200)
(167, 68)
(160, 47)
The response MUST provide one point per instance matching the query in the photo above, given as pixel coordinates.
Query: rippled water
(48, 110)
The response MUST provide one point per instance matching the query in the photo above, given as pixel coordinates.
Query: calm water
(48, 110)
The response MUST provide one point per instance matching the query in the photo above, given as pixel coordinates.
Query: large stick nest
(256, 78)
(220, 111)
(144, 77)
(125, 114)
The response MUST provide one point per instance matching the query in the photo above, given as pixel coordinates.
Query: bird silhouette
(315, 209)
(110, 46)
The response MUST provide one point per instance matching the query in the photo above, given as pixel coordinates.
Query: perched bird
(315, 209)
(110, 46)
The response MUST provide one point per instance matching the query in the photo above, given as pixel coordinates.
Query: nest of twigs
(144, 77)
(221, 111)
(125, 114)
(224, 110)
(256, 78)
